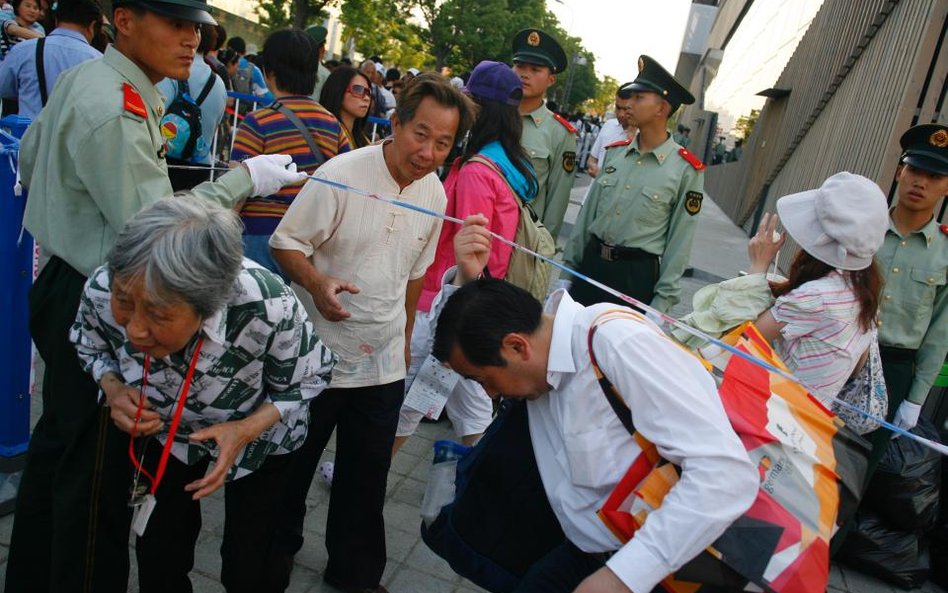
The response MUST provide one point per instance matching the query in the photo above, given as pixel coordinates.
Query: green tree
(745, 124)
(378, 27)
(604, 99)
(278, 14)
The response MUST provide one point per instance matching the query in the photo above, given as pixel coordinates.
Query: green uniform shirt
(552, 149)
(90, 162)
(912, 313)
(646, 200)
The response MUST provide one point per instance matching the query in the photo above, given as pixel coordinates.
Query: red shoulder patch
(944, 228)
(564, 123)
(133, 101)
(620, 143)
(692, 159)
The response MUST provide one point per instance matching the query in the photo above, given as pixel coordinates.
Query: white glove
(906, 417)
(270, 172)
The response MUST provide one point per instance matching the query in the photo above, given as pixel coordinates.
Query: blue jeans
(257, 248)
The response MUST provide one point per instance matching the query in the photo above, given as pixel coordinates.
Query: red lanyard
(173, 430)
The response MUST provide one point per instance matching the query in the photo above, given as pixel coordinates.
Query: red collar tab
(944, 228)
(691, 159)
(564, 123)
(133, 101)
(620, 143)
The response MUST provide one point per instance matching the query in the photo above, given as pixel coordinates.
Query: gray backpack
(524, 270)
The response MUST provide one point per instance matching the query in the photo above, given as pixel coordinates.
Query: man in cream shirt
(363, 261)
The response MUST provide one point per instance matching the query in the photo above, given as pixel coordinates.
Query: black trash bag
(898, 557)
(939, 561)
(905, 489)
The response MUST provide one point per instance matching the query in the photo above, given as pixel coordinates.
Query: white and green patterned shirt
(259, 348)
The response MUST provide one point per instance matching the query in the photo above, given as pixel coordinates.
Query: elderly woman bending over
(201, 354)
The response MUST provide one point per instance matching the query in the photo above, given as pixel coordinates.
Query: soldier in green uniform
(318, 34)
(913, 313)
(635, 229)
(92, 159)
(548, 138)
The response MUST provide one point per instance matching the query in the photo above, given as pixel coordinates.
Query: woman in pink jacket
(491, 174)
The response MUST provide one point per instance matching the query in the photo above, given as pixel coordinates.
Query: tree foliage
(604, 99)
(745, 124)
(278, 14)
(433, 34)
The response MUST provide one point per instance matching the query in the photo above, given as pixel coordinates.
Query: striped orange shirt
(267, 131)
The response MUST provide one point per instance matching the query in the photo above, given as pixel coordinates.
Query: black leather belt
(616, 252)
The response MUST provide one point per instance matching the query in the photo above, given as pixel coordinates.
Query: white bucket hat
(843, 223)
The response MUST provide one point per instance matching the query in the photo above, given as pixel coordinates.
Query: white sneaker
(326, 470)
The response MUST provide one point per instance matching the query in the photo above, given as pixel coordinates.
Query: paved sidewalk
(719, 252)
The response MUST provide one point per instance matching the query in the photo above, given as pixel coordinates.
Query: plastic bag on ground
(905, 489)
(897, 557)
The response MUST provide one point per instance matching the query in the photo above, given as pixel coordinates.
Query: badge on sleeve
(569, 161)
(693, 202)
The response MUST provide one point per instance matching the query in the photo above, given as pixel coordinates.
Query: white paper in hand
(431, 388)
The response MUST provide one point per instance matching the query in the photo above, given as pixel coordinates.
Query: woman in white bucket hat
(823, 319)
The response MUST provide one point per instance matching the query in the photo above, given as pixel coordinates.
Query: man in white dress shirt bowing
(500, 336)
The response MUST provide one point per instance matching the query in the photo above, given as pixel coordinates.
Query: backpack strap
(41, 70)
(207, 88)
(615, 399)
(307, 134)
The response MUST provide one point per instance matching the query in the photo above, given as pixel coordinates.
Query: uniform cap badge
(533, 39)
(939, 139)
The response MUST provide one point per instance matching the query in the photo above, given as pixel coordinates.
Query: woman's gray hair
(185, 249)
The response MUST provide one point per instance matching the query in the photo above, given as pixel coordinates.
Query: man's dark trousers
(635, 277)
(365, 420)
(70, 530)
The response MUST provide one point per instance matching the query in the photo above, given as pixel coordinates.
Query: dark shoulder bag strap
(615, 400)
(41, 70)
(307, 134)
(207, 89)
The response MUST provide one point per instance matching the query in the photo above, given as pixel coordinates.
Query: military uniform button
(895, 270)
(888, 297)
(903, 243)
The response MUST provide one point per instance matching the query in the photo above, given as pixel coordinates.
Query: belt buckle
(607, 252)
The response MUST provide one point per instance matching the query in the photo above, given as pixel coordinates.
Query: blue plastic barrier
(16, 277)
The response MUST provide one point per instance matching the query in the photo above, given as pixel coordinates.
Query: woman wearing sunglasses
(347, 94)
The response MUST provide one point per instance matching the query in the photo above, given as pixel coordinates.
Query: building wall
(865, 71)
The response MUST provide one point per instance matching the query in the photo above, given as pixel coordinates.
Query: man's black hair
(392, 74)
(478, 316)
(78, 12)
(291, 57)
(237, 44)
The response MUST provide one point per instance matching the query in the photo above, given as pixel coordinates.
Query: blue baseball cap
(493, 81)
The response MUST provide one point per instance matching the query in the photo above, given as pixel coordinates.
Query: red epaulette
(692, 159)
(944, 228)
(133, 101)
(625, 142)
(565, 123)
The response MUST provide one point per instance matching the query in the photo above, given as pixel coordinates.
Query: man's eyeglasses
(358, 91)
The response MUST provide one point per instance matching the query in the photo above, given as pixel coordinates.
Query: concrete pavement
(719, 252)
